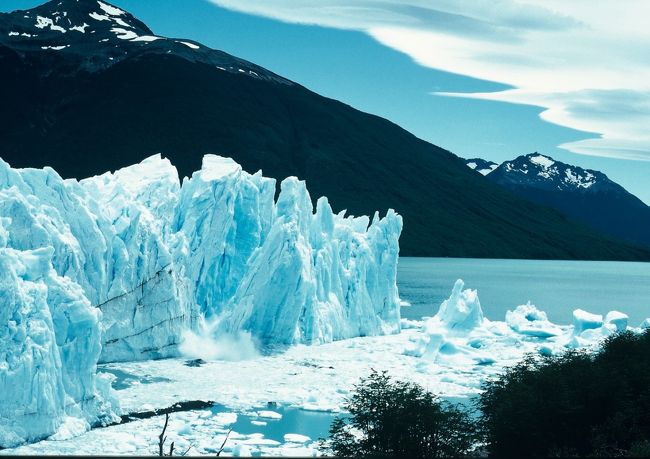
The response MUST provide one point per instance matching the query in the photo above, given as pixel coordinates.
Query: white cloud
(585, 61)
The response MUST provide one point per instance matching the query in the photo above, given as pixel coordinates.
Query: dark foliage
(396, 418)
(575, 404)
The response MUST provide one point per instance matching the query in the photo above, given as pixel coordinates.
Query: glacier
(49, 347)
(119, 267)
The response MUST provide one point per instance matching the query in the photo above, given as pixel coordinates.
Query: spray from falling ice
(207, 344)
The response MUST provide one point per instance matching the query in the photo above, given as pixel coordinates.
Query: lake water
(556, 287)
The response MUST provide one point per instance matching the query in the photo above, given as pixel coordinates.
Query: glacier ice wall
(111, 236)
(279, 270)
(49, 347)
(155, 256)
(119, 266)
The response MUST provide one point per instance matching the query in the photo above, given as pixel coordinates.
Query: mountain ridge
(585, 195)
(163, 96)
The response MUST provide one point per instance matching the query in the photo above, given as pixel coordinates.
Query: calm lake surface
(556, 287)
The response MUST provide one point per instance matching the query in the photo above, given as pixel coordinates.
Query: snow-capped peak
(542, 160)
(110, 9)
(542, 171)
(48, 25)
(93, 35)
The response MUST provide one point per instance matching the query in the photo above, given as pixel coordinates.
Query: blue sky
(378, 69)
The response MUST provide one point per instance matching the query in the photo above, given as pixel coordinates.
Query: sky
(482, 78)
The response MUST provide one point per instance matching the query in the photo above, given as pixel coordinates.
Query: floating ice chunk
(265, 414)
(618, 319)
(226, 418)
(296, 438)
(447, 332)
(645, 323)
(407, 323)
(242, 450)
(526, 319)
(461, 312)
(546, 349)
(583, 320)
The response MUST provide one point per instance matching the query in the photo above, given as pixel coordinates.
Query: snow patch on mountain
(542, 160)
(43, 22)
(81, 28)
(111, 10)
(481, 165)
(189, 45)
(99, 17)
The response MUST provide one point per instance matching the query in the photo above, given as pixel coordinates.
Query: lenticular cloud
(585, 62)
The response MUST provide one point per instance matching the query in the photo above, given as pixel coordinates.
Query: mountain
(87, 88)
(481, 166)
(582, 194)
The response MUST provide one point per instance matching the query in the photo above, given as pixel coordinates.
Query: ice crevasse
(119, 266)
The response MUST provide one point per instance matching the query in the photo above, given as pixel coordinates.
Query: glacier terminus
(119, 267)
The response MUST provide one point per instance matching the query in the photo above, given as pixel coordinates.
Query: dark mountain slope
(85, 119)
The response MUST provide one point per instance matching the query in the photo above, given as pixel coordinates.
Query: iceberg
(583, 320)
(526, 319)
(119, 267)
(461, 312)
(618, 319)
(460, 335)
(456, 331)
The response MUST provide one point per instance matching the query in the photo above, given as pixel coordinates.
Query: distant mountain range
(86, 87)
(585, 195)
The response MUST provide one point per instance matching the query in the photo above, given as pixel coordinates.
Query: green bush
(574, 404)
(396, 418)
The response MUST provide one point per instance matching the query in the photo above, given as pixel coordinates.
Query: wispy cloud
(585, 61)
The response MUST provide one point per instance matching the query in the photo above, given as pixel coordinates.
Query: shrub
(396, 418)
(577, 403)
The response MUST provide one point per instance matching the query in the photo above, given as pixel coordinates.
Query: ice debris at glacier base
(460, 334)
(318, 378)
(126, 262)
